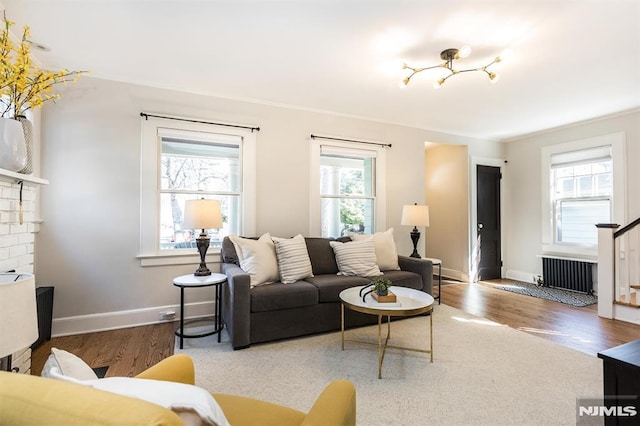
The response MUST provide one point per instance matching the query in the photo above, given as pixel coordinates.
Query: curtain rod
(387, 145)
(146, 117)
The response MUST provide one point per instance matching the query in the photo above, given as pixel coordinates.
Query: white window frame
(618, 206)
(315, 207)
(149, 252)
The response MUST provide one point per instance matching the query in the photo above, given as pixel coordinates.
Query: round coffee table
(409, 302)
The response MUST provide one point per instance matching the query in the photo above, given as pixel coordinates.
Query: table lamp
(202, 214)
(18, 314)
(415, 215)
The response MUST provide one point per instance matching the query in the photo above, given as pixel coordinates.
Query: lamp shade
(415, 215)
(18, 314)
(202, 214)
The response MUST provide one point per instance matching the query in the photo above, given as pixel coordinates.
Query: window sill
(213, 256)
(579, 252)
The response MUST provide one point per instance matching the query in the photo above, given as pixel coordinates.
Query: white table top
(433, 260)
(191, 280)
(409, 300)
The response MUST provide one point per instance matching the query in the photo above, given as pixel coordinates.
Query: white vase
(27, 131)
(13, 151)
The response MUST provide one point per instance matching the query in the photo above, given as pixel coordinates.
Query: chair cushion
(330, 286)
(240, 410)
(283, 296)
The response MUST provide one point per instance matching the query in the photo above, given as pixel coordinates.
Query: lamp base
(202, 243)
(415, 236)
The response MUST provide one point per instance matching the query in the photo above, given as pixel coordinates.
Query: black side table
(192, 281)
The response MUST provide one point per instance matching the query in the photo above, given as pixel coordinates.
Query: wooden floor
(130, 351)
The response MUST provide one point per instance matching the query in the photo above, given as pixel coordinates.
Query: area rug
(483, 373)
(567, 297)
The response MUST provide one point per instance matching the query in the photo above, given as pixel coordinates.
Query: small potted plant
(381, 285)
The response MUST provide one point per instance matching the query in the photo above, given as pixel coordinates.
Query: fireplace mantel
(9, 176)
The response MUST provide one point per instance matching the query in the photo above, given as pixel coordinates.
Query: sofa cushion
(330, 286)
(323, 259)
(293, 259)
(283, 296)
(405, 279)
(356, 258)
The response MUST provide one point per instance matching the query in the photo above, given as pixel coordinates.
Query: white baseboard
(526, 277)
(123, 319)
(626, 313)
(452, 274)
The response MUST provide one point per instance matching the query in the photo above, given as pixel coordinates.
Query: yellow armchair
(27, 400)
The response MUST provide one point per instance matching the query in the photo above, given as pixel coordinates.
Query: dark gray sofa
(279, 311)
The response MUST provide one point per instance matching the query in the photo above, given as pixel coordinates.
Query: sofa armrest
(236, 305)
(422, 267)
(176, 368)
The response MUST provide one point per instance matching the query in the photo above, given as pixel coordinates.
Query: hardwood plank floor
(129, 351)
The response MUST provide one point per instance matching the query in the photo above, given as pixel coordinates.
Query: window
(349, 190)
(183, 160)
(194, 165)
(582, 184)
(582, 194)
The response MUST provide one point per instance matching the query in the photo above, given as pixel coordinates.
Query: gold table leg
(342, 323)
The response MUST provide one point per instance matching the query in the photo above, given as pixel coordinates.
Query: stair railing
(626, 265)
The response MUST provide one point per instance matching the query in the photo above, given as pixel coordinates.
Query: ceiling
(570, 60)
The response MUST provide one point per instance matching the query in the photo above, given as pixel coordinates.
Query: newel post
(606, 270)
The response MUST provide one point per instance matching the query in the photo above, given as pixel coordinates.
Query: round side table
(193, 281)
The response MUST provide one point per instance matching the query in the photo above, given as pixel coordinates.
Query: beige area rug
(483, 373)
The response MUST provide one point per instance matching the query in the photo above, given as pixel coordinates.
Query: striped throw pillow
(356, 258)
(293, 259)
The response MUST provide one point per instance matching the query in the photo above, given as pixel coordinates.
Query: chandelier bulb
(438, 83)
(494, 77)
(405, 81)
(463, 52)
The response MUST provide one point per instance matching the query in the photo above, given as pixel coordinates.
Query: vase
(13, 151)
(27, 129)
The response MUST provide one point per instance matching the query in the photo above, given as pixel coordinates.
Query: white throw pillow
(66, 364)
(293, 259)
(181, 398)
(257, 258)
(356, 258)
(385, 245)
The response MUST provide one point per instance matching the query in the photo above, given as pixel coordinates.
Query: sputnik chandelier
(450, 55)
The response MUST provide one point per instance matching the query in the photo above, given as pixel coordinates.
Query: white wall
(88, 242)
(524, 227)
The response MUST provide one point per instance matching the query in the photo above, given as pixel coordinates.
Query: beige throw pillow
(356, 258)
(65, 363)
(385, 246)
(257, 258)
(293, 259)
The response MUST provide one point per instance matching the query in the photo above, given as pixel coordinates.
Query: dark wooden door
(488, 214)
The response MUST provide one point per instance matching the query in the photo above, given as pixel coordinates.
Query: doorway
(488, 222)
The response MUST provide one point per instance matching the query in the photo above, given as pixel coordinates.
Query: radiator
(569, 274)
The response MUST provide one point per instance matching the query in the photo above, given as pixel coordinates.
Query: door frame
(473, 213)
